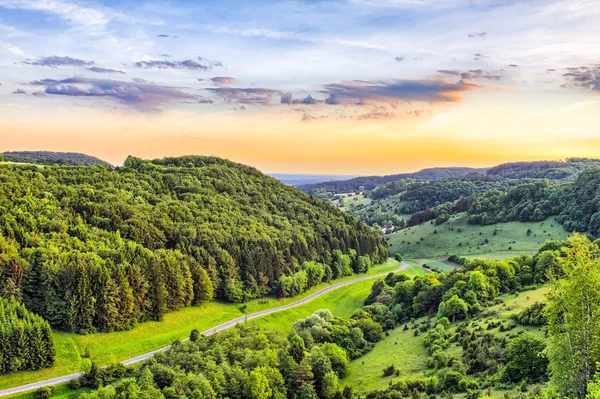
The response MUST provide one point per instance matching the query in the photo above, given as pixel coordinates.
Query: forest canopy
(91, 248)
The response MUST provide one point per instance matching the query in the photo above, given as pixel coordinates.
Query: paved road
(220, 327)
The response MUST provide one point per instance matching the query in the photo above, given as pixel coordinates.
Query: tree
(526, 359)
(454, 308)
(573, 312)
(258, 385)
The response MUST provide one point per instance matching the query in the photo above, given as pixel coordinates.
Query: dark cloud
(361, 92)
(584, 77)
(163, 64)
(223, 80)
(399, 59)
(253, 95)
(480, 34)
(56, 61)
(448, 72)
(286, 98)
(142, 96)
(104, 70)
(38, 94)
(513, 65)
(161, 35)
(19, 91)
(308, 100)
(139, 80)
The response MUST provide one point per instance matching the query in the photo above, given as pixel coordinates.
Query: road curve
(220, 327)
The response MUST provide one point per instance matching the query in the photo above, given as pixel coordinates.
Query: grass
(107, 348)
(407, 353)
(342, 302)
(456, 236)
(353, 199)
(61, 391)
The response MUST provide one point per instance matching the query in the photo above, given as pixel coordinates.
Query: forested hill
(567, 170)
(91, 248)
(51, 158)
(370, 182)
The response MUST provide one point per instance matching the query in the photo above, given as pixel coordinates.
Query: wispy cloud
(223, 80)
(58, 61)
(251, 95)
(584, 77)
(141, 96)
(428, 90)
(104, 70)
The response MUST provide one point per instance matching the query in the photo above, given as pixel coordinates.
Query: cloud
(223, 80)
(308, 100)
(57, 61)
(250, 95)
(204, 64)
(448, 72)
(163, 64)
(104, 70)
(307, 117)
(479, 74)
(513, 65)
(164, 55)
(162, 35)
(286, 98)
(378, 112)
(584, 77)
(141, 96)
(399, 59)
(19, 91)
(361, 92)
(479, 34)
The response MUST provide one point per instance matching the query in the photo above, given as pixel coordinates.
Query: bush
(389, 370)
(44, 393)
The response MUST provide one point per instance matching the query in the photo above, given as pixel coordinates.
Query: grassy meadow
(457, 237)
(407, 353)
(106, 348)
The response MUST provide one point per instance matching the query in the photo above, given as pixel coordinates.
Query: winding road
(220, 327)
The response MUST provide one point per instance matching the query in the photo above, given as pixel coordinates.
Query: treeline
(370, 182)
(51, 158)
(422, 198)
(92, 248)
(248, 362)
(567, 170)
(26, 341)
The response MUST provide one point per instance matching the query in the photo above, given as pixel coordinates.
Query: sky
(333, 87)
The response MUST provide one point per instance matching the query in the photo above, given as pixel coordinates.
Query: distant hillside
(295, 180)
(370, 182)
(553, 170)
(51, 158)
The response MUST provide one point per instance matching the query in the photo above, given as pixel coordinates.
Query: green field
(457, 237)
(352, 199)
(407, 353)
(106, 348)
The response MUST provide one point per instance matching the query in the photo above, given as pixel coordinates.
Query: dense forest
(91, 248)
(52, 158)
(402, 197)
(567, 170)
(576, 205)
(370, 182)
(25, 339)
(464, 357)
